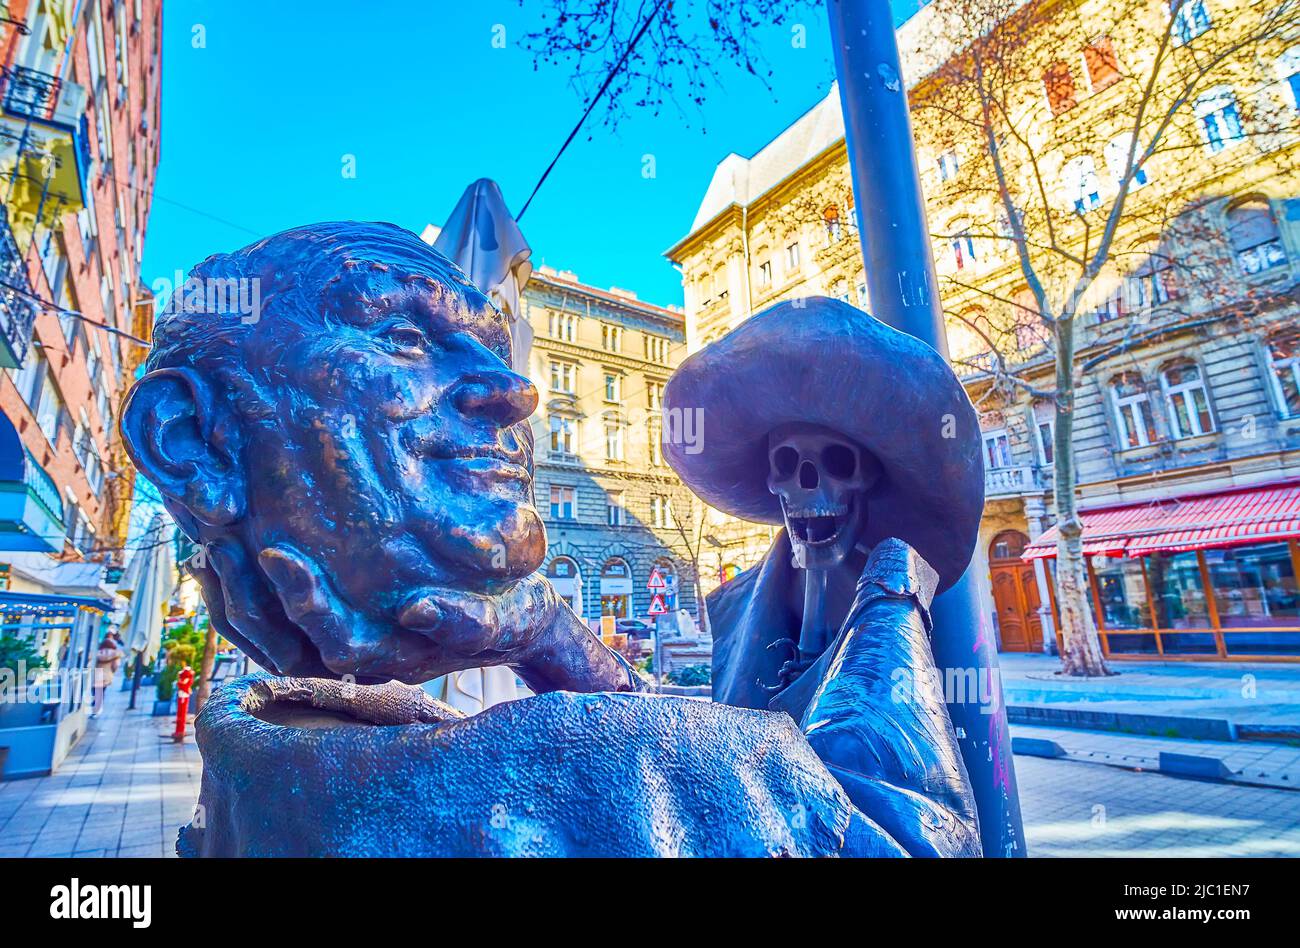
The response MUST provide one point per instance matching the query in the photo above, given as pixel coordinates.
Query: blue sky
(256, 125)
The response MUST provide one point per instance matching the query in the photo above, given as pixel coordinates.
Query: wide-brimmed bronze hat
(821, 361)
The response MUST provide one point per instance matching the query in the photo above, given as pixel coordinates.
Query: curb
(1157, 725)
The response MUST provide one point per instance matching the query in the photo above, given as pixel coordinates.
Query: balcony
(44, 144)
(17, 310)
(1011, 481)
(31, 510)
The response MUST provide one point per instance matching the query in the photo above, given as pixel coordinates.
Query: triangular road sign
(656, 581)
(657, 607)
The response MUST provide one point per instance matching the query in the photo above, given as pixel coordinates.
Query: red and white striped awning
(1200, 522)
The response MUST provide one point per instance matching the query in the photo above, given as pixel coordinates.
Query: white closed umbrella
(483, 239)
(481, 236)
(150, 577)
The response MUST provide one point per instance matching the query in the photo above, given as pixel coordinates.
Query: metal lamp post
(903, 289)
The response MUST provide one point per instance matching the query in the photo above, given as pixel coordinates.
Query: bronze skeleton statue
(355, 463)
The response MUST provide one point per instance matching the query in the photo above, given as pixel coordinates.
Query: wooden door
(1015, 594)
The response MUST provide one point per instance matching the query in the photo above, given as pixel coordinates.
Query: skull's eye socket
(784, 460)
(840, 461)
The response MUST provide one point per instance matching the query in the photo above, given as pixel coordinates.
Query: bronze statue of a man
(355, 463)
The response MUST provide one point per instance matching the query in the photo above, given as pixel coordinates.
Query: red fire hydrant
(184, 681)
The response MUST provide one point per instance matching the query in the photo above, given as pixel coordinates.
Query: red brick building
(79, 147)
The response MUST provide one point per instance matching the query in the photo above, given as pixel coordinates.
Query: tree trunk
(1080, 645)
(205, 668)
(701, 603)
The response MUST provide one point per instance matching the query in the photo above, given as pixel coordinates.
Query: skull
(822, 478)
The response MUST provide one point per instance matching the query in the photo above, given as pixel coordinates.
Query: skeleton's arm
(892, 746)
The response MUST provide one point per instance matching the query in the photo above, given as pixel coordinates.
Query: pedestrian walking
(107, 661)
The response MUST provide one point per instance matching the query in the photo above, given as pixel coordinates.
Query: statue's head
(330, 414)
(822, 479)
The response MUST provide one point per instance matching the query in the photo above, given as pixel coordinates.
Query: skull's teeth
(837, 511)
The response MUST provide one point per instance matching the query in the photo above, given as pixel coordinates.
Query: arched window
(1253, 234)
(1008, 545)
(616, 588)
(566, 577)
(1284, 358)
(1185, 399)
(1132, 407)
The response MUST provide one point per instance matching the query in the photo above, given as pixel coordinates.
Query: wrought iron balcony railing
(32, 94)
(17, 308)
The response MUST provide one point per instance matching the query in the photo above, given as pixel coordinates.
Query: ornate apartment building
(614, 510)
(79, 145)
(1187, 421)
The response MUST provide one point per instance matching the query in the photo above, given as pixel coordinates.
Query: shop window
(1186, 400)
(1179, 598)
(1254, 586)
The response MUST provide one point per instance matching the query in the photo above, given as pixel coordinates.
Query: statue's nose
(500, 396)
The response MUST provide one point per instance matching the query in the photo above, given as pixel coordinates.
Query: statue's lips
(495, 460)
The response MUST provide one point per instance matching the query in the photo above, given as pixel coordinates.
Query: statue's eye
(406, 336)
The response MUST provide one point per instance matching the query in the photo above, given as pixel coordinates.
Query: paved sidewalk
(125, 790)
(1074, 809)
(1259, 696)
(1257, 763)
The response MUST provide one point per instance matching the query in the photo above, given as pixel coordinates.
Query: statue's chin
(508, 551)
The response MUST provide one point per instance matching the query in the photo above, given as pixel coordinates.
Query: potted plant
(19, 659)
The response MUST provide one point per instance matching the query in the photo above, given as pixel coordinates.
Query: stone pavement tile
(90, 854)
(149, 851)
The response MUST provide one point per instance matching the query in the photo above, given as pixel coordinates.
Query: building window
(1150, 283)
(863, 299)
(834, 229)
(765, 273)
(1044, 418)
(562, 504)
(1082, 187)
(50, 413)
(1284, 360)
(1186, 399)
(1111, 306)
(997, 448)
(1216, 112)
(1058, 82)
(654, 395)
(963, 249)
(1132, 411)
(563, 376)
(1288, 70)
(564, 327)
(661, 513)
(613, 441)
(1116, 155)
(613, 387)
(1101, 62)
(611, 337)
(1253, 234)
(1190, 19)
(706, 289)
(792, 256)
(654, 434)
(948, 166)
(30, 380)
(615, 512)
(656, 348)
(563, 437)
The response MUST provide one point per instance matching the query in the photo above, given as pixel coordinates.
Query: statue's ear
(187, 442)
